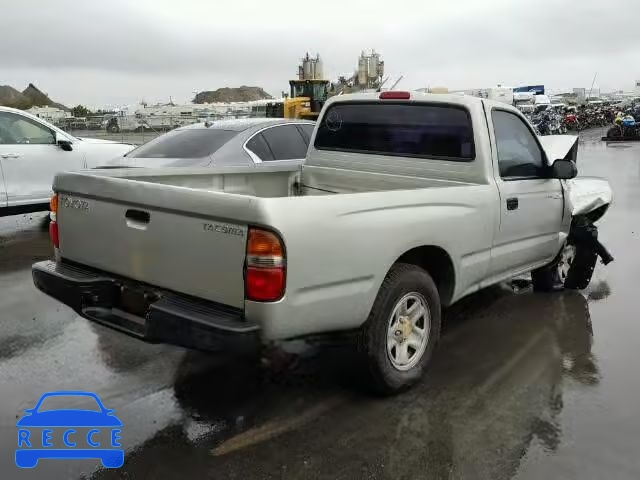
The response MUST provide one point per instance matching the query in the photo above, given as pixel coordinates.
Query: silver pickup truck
(406, 203)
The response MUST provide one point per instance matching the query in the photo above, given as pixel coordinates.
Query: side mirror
(64, 143)
(564, 169)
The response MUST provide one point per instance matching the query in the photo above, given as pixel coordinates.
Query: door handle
(137, 219)
(512, 203)
(9, 155)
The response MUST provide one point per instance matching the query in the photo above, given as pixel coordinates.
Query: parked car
(32, 151)
(247, 142)
(406, 202)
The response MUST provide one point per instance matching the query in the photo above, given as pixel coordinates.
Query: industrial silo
(318, 70)
(306, 67)
(372, 73)
(363, 67)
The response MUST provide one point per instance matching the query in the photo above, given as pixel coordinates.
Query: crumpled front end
(587, 195)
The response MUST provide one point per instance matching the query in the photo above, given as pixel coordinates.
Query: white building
(51, 114)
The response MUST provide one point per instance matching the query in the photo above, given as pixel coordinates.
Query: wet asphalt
(523, 386)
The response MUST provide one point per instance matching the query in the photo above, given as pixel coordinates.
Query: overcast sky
(121, 51)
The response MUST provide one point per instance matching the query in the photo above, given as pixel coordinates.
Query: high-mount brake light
(395, 95)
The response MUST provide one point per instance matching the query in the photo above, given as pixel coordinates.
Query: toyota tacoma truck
(406, 203)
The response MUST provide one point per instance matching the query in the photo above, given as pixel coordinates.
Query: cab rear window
(400, 129)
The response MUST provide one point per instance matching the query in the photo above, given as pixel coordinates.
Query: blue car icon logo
(78, 433)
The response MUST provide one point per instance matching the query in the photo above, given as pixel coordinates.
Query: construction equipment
(307, 95)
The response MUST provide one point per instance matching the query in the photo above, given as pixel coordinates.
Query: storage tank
(319, 70)
(306, 68)
(363, 66)
(374, 59)
(380, 69)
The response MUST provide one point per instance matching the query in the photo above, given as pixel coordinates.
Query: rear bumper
(164, 317)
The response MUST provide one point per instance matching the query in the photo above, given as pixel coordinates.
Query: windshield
(308, 89)
(189, 143)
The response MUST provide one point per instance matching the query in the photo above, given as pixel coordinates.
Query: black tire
(401, 280)
(582, 269)
(548, 279)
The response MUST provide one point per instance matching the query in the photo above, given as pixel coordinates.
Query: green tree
(80, 111)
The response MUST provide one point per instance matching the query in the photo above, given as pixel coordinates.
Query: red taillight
(264, 284)
(265, 276)
(53, 226)
(53, 233)
(394, 95)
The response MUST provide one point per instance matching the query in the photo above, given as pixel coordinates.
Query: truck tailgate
(190, 252)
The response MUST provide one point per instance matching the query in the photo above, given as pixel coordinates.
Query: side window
(307, 130)
(519, 155)
(259, 148)
(285, 142)
(16, 130)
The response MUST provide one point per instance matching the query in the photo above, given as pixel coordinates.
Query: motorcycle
(625, 126)
(571, 122)
(548, 123)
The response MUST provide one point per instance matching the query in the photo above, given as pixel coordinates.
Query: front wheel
(572, 269)
(403, 328)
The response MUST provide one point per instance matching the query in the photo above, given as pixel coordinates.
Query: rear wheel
(402, 330)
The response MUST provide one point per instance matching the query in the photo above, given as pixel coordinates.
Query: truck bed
(184, 229)
(269, 182)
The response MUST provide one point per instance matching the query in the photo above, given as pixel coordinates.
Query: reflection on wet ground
(495, 387)
(524, 385)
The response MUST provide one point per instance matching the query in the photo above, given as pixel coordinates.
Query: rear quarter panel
(339, 249)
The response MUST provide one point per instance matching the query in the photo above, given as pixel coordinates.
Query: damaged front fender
(589, 196)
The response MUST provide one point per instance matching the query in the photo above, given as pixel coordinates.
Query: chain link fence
(136, 129)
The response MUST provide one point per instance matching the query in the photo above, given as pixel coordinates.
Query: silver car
(242, 142)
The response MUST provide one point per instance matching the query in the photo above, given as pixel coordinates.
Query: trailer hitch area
(587, 235)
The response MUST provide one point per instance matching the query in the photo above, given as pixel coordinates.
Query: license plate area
(135, 300)
(123, 306)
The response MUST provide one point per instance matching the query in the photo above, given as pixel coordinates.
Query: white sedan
(32, 151)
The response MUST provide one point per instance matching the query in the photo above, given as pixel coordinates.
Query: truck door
(30, 158)
(531, 204)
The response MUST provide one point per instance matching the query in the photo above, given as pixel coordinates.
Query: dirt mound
(239, 94)
(10, 97)
(29, 97)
